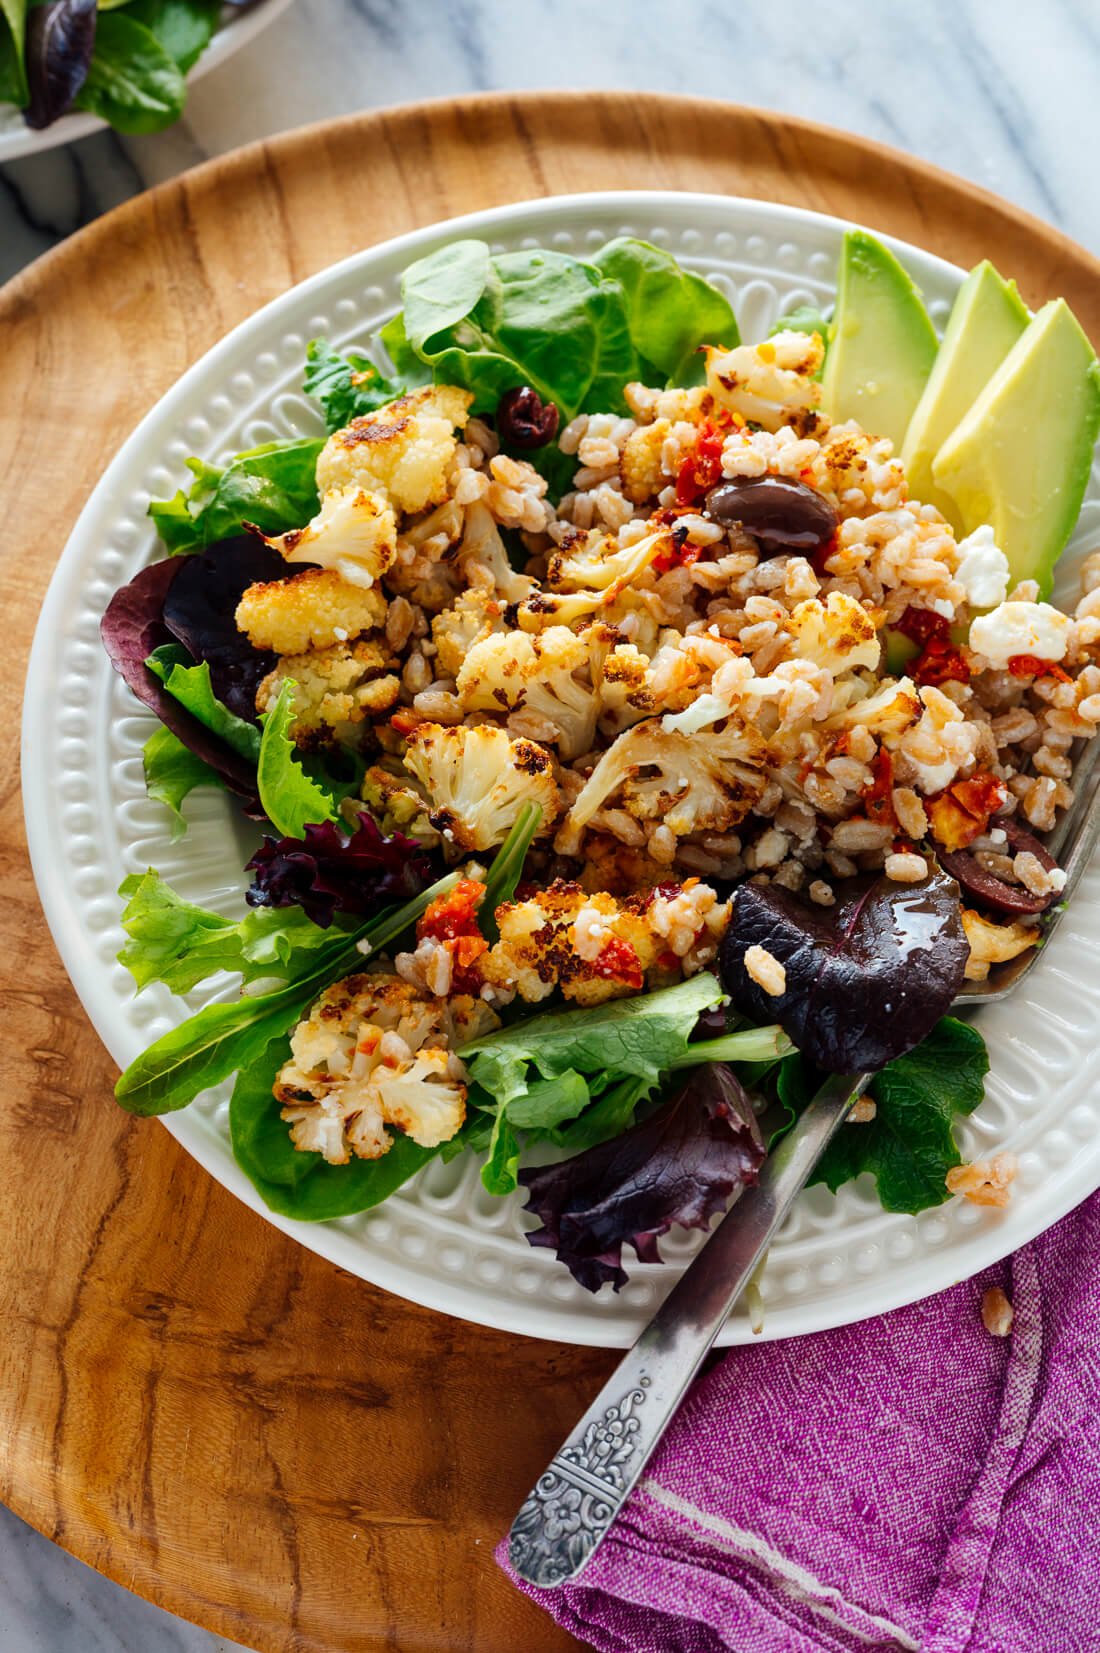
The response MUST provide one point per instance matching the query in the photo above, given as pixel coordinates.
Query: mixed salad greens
(125, 61)
(663, 1104)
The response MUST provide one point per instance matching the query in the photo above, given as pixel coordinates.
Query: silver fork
(576, 1499)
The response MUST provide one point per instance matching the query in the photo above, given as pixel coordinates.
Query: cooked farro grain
(766, 971)
(997, 1312)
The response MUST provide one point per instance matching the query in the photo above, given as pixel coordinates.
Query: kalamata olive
(524, 420)
(781, 514)
(989, 890)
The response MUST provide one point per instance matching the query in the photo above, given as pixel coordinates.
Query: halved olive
(783, 515)
(524, 420)
(989, 890)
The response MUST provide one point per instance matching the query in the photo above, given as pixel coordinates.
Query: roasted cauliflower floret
(311, 610)
(398, 802)
(478, 780)
(543, 673)
(839, 635)
(354, 533)
(336, 688)
(375, 1054)
(473, 615)
(643, 473)
(595, 947)
(402, 450)
(887, 712)
(687, 784)
(772, 383)
(484, 561)
(596, 563)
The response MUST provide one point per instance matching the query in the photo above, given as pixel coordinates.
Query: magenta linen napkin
(909, 1482)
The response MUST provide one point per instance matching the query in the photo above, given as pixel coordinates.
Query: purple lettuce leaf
(867, 979)
(199, 610)
(329, 871)
(132, 627)
(60, 43)
(680, 1165)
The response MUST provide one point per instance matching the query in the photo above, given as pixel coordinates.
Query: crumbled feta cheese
(1020, 628)
(983, 569)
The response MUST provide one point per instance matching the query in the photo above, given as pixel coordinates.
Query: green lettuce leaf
(347, 386)
(172, 772)
(273, 487)
(499, 1174)
(133, 82)
(175, 942)
(670, 311)
(13, 36)
(183, 27)
(290, 798)
(507, 868)
(643, 1036)
(540, 319)
(910, 1146)
(223, 1039)
(190, 685)
(443, 288)
(304, 1185)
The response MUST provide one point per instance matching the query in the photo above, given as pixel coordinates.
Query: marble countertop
(1004, 95)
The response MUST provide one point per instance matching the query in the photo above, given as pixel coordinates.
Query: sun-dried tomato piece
(961, 813)
(453, 914)
(922, 624)
(876, 797)
(1030, 665)
(702, 467)
(939, 662)
(618, 961)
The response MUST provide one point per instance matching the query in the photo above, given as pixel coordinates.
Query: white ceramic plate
(237, 29)
(441, 1241)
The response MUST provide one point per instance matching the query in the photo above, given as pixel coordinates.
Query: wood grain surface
(188, 1401)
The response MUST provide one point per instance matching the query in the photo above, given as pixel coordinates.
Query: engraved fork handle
(576, 1499)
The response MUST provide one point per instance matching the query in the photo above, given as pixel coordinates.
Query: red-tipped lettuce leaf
(199, 609)
(132, 627)
(867, 979)
(60, 42)
(329, 871)
(681, 1165)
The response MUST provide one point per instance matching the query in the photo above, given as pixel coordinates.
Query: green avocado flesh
(881, 343)
(987, 319)
(1019, 459)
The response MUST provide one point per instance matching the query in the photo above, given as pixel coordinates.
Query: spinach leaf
(910, 1146)
(273, 486)
(299, 1184)
(227, 1038)
(543, 319)
(443, 288)
(183, 27)
(13, 35)
(290, 799)
(347, 386)
(172, 772)
(132, 81)
(671, 312)
(191, 686)
(175, 942)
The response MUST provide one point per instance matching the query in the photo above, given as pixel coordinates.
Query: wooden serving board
(188, 1401)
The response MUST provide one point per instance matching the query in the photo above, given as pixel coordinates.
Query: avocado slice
(881, 342)
(987, 318)
(1020, 458)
